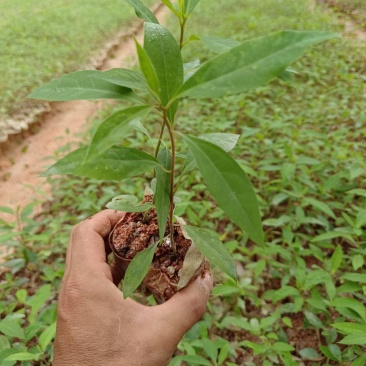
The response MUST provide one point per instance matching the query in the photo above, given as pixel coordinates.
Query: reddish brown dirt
(135, 233)
(23, 159)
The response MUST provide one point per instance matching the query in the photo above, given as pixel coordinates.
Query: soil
(135, 233)
(352, 29)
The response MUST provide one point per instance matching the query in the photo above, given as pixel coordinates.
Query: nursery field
(300, 299)
(40, 40)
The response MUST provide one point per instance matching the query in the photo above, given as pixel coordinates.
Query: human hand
(96, 326)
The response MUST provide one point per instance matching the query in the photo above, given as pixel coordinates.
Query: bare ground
(352, 29)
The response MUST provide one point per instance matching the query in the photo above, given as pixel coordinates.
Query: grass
(299, 299)
(41, 40)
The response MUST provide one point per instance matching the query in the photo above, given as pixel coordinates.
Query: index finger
(86, 248)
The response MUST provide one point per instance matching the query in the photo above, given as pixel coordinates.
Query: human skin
(96, 326)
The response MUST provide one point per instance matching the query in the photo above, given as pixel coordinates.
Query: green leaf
(190, 68)
(140, 128)
(317, 304)
(354, 339)
(360, 219)
(287, 75)
(209, 244)
(191, 360)
(256, 347)
(360, 361)
(189, 5)
(349, 287)
(227, 141)
(142, 11)
(114, 129)
(336, 259)
(128, 203)
(309, 353)
(11, 328)
(313, 319)
(33, 330)
(225, 290)
(350, 328)
(357, 192)
(335, 350)
(47, 336)
(282, 347)
(5, 353)
(116, 163)
(284, 292)
(219, 45)
(21, 295)
(38, 300)
(148, 70)
(23, 356)
(354, 277)
(357, 261)
(232, 321)
(319, 205)
(224, 351)
(252, 64)
(164, 53)
(4, 343)
(137, 270)
(229, 185)
(172, 110)
(346, 302)
(210, 348)
(287, 321)
(317, 277)
(81, 85)
(6, 210)
(327, 353)
(122, 77)
(332, 235)
(162, 191)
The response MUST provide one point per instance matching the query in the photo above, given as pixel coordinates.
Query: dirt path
(21, 162)
(352, 29)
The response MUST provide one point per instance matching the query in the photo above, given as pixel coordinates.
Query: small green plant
(163, 80)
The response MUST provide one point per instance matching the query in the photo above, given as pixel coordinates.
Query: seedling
(163, 80)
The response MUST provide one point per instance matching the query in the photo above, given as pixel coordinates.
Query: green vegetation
(40, 40)
(300, 299)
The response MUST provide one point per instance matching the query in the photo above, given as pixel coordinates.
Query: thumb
(186, 307)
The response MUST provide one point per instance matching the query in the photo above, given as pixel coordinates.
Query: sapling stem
(182, 28)
(171, 206)
(160, 137)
